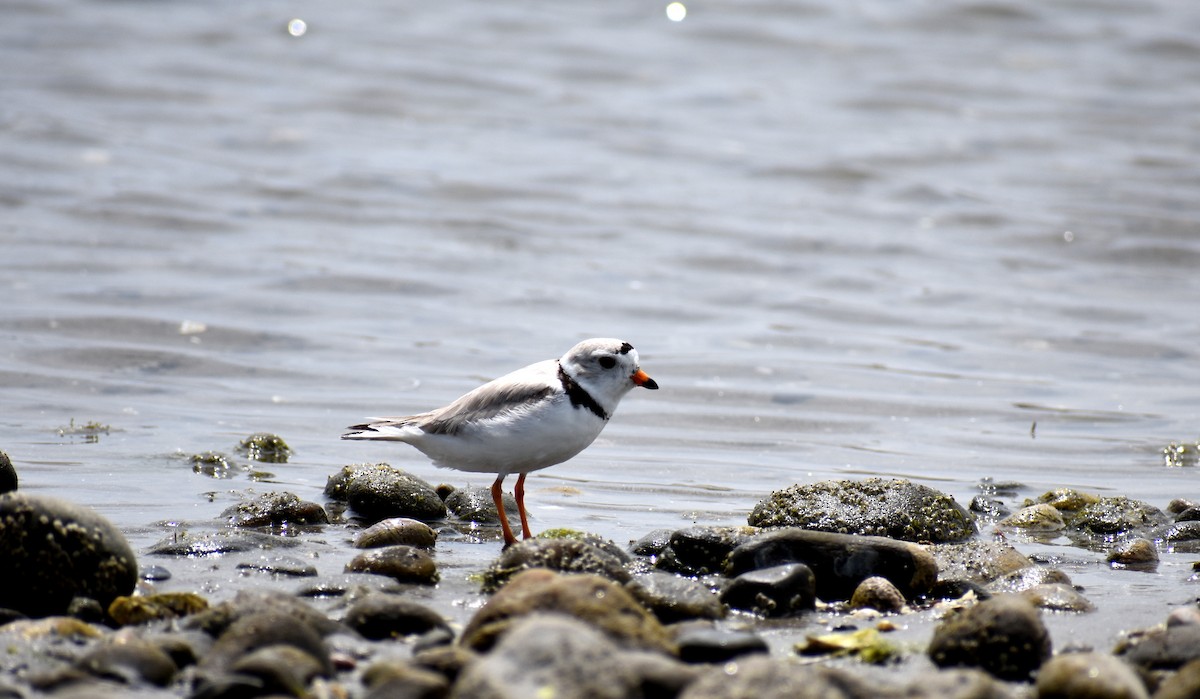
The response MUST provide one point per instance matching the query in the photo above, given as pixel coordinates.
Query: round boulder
(54, 551)
(1004, 636)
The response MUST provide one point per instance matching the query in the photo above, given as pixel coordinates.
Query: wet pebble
(265, 447)
(1088, 676)
(778, 591)
(701, 550)
(763, 678)
(55, 551)
(1057, 597)
(1004, 636)
(1178, 506)
(280, 669)
(673, 598)
(380, 491)
(563, 555)
(475, 504)
(191, 545)
(274, 510)
(280, 565)
(988, 508)
(261, 630)
(133, 611)
(652, 544)
(1136, 554)
(879, 594)
(403, 680)
(1161, 647)
(396, 530)
(1025, 578)
(129, 659)
(895, 508)
(839, 561)
(710, 645)
(1183, 684)
(977, 561)
(1035, 518)
(405, 564)
(590, 598)
(379, 616)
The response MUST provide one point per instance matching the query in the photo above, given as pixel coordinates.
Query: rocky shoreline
(889, 585)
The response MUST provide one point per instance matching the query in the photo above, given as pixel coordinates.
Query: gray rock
(1183, 684)
(274, 510)
(553, 656)
(216, 543)
(280, 565)
(652, 544)
(977, 561)
(475, 504)
(280, 669)
(1057, 597)
(760, 677)
(380, 491)
(839, 561)
(1088, 676)
(404, 564)
(698, 550)
(563, 555)
(266, 448)
(898, 509)
(1041, 517)
(1025, 578)
(1161, 648)
(778, 591)
(261, 630)
(216, 620)
(959, 684)
(673, 598)
(54, 551)
(709, 645)
(1117, 515)
(1004, 636)
(129, 659)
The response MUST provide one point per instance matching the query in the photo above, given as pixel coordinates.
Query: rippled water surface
(936, 240)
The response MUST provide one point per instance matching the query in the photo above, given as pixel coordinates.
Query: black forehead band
(625, 347)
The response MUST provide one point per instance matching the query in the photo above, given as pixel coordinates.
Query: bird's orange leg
(498, 498)
(519, 493)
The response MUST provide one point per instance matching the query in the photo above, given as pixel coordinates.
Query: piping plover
(532, 418)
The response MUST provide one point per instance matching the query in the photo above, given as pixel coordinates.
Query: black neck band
(579, 397)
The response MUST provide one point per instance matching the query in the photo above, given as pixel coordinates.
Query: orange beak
(643, 379)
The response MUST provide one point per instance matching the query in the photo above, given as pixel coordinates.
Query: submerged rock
(8, 474)
(839, 561)
(404, 564)
(265, 447)
(898, 509)
(274, 510)
(475, 504)
(590, 598)
(132, 611)
(1004, 636)
(53, 551)
(380, 491)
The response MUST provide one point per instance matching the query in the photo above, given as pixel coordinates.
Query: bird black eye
(608, 362)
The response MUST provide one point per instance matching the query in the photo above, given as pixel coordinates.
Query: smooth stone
(879, 594)
(1183, 684)
(673, 598)
(404, 564)
(783, 590)
(275, 510)
(280, 565)
(54, 551)
(396, 530)
(216, 620)
(962, 683)
(379, 491)
(1161, 648)
(1004, 636)
(562, 555)
(701, 550)
(1178, 506)
(402, 680)
(709, 645)
(475, 504)
(1191, 514)
(977, 561)
(761, 677)
(129, 659)
(1057, 597)
(550, 655)
(1025, 578)
(281, 669)
(261, 630)
(839, 561)
(1088, 676)
(379, 616)
(1068, 499)
(652, 544)
(893, 508)
(186, 544)
(589, 598)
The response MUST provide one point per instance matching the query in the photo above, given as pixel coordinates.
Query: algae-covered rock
(899, 509)
(130, 611)
(53, 551)
(1004, 636)
(380, 491)
(1117, 515)
(275, 509)
(265, 447)
(563, 555)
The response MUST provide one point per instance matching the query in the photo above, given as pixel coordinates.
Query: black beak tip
(651, 384)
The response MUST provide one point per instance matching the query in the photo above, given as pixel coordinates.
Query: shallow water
(941, 241)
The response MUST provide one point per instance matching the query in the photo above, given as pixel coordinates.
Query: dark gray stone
(380, 491)
(709, 645)
(696, 551)
(783, 590)
(8, 474)
(673, 598)
(760, 677)
(274, 510)
(405, 564)
(562, 555)
(1088, 676)
(391, 616)
(1004, 636)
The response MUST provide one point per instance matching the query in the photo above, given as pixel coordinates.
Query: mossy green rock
(898, 509)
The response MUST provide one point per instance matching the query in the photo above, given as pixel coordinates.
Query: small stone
(379, 616)
(1137, 554)
(265, 447)
(1026, 578)
(761, 677)
(275, 510)
(380, 491)
(1068, 499)
(988, 508)
(673, 598)
(1161, 648)
(280, 565)
(404, 564)
(1035, 519)
(261, 630)
(698, 550)
(784, 590)
(396, 530)
(475, 504)
(1180, 505)
(8, 474)
(877, 593)
(1057, 597)
(1004, 636)
(132, 611)
(977, 561)
(652, 544)
(709, 645)
(129, 659)
(1184, 684)
(1088, 676)
(281, 669)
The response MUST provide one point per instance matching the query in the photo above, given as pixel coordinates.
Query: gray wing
(484, 403)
